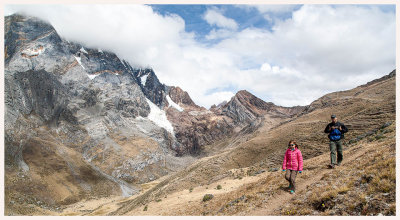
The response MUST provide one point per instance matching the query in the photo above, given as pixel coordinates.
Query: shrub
(145, 208)
(207, 197)
(219, 187)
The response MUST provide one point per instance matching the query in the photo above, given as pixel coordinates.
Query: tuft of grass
(384, 173)
(191, 189)
(158, 200)
(219, 187)
(343, 190)
(207, 197)
(296, 211)
(145, 208)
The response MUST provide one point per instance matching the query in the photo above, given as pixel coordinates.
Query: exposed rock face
(151, 86)
(96, 61)
(37, 91)
(179, 96)
(195, 126)
(244, 108)
(219, 106)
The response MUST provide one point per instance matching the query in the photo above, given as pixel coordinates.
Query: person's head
(334, 118)
(292, 144)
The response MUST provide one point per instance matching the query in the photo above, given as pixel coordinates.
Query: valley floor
(363, 185)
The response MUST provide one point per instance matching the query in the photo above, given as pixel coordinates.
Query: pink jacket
(293, 160)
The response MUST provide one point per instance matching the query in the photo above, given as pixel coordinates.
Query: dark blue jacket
(337, 124)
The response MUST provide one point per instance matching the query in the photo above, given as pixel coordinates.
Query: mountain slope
(245, 108)
(84, 110)
(358, 187)
(263, 149)
(363, 185)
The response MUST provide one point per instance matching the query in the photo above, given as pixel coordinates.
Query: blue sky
(195, 22)
(285, 54)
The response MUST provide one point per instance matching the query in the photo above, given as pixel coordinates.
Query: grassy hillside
(363, 185)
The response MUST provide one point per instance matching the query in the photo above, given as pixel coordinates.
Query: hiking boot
(290, 186)
(332, 166)
(291, 191)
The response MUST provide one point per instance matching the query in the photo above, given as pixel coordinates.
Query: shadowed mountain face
(82, 123)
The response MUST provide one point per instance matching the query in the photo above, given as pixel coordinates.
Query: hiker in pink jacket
(293, 163)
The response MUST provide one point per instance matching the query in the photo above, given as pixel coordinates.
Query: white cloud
(320, 49)
(215, 17)
(330, 49)
(129, 30)
(271, 12)
(274, 8)
(219, 34)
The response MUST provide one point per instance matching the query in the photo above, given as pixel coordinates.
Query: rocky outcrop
(151, 86)
(244, 108)
(179, 96)
(35, 91)
(194, 126)
(217, 107)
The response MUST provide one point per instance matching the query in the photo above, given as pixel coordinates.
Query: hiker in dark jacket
(336, 131)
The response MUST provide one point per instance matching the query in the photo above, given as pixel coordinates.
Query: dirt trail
(283, 197)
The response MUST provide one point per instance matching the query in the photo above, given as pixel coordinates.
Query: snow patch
(173, 104)
(79, 61)
(83, 50)
(143, 79)
(159, 117)
(91, 76)
(99, 50)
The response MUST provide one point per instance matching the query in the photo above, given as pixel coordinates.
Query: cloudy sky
(285, 54)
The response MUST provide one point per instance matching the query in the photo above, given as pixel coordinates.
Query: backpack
(335, 135)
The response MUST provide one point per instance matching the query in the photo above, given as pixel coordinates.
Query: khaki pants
(291, 177)
(336, 146)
